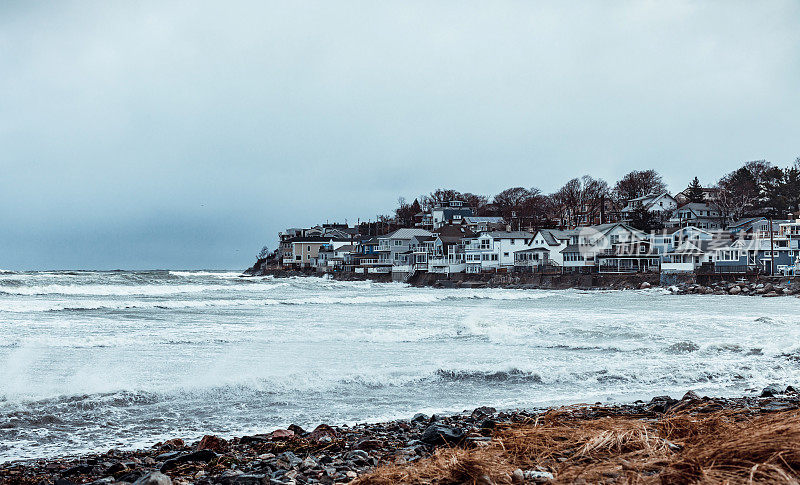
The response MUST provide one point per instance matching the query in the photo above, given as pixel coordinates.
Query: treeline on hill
(757, 188)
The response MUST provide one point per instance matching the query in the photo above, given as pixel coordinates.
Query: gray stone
(440, 434)
(154, 478)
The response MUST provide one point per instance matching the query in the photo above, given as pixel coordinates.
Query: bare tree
(738, 193)
(439, 197)
(638, 184)
(509, 200)
(580, 200)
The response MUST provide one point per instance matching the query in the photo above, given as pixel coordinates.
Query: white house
(659, 203)
(545, 247)
(494, 250)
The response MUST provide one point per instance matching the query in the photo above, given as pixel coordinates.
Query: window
(505, 255)
(308, 248)
(512, 241)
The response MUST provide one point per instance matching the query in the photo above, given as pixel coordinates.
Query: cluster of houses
(449, 238)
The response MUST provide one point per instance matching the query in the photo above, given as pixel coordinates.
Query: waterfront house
(544, 248)
(687, 257)
(761, 252)
(634, 256)
(394, 249)
(668, 239)
(447, 249)
(304, 250)
(585, 243)
(494, 250)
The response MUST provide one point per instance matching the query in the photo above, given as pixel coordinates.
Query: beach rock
(368, 444)
(419, 417)
(518, 477)
(771, 390)
(538, 476)
(645, 285)
(256, 438)
(201, 455)
(131, 477)
(77, 470)
(248, 479)
(298, 431)
(440, 434)
(213, 443)
(281, 434)
(771, 294)
(323, 434)
(690, 396)
(154, 478)
(173, 444)
(735, 290)
(483, 412)
(660, 404)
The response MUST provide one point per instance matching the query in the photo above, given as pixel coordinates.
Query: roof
(407, 233)
(453, 231)
(553, 236)
(479, 219)
(698, 206)
(508, 234)
(346, 247)
(315, 239)
(573, 248)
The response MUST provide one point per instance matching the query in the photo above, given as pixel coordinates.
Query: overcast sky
(182, 135)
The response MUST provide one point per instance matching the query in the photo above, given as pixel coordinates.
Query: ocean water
(96, 360)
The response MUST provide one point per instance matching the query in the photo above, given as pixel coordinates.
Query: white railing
(677, 267)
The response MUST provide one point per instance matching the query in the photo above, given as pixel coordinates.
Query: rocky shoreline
(765, 287)
(743, 288)
(332, 455)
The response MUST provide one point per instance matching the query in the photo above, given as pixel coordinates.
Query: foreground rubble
(411, 451)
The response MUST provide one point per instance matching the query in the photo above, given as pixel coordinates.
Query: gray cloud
(183, 134)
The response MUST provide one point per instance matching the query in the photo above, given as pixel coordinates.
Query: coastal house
(691, 255)
(483, 223)
(699, 214)
(450, 213)
(767, 254)
(634, 256)
(710, 194)
(544, 249)
(668, 239)
(420, 248)
(394, 249)
(304, 250)
(585, 243)
(494, 250)
(660, 204)
(447, 249)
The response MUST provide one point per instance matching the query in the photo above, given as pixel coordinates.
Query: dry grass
(689, 447)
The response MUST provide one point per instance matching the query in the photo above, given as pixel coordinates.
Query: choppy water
(91, 361)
